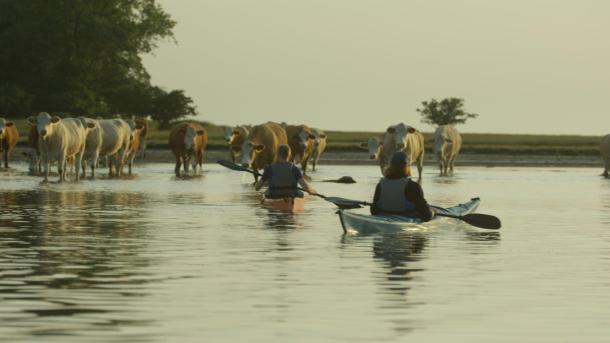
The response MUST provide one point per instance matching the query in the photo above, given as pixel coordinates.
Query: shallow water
(158, 259)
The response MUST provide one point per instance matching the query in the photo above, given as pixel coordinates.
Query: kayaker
(396, 193)
(283, 177)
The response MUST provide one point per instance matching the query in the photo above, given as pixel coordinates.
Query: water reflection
(59, 240)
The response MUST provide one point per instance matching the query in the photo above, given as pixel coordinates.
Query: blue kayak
(356, 223)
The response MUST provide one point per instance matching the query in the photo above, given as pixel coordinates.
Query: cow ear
(323, 136)
(235, 132)
(311, 136)
(90, 125)
(411, 129)
(9, 123)
(200, 133)
(391, 129)
(448, 140)
(259, 147)
(139, 127)
(55, 119)
(31, 120)
(364, 145)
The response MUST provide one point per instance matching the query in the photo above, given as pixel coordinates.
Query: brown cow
(301, 142)
(142, 121)
(260, 149)
(8, 138)
(186, 140)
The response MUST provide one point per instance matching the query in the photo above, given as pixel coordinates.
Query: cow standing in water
(604, 148)
(8, 138)
(188, 142)
(235, 137)
(61, 139)
(319, 145)
(447, 145)
(301, 141)
(260, 148)
(406, 138)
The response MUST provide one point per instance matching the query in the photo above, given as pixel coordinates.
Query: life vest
(392, 196)
(282, 183)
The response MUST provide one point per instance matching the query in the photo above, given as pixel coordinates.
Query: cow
(403, 137)
(319, 145)
(188, 142)
(8, 138)
(260, 148)
(61, 139)
(301, 141)
(235, 137)
(116, 138)
(447, 145)
(373, 146)
(93, 145)
(143, 132)
(136, 141)
(604, 148)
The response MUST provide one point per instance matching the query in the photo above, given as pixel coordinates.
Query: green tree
(78, 56)
(168, 107)
(444, 112)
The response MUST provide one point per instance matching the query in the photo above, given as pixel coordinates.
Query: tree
(168, 107)
(447, 111)
(77, 56)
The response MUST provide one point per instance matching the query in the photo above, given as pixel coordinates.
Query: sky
(525, 66)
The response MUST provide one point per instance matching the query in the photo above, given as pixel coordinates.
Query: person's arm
(415, 194)
(297, 175)
(261, 182)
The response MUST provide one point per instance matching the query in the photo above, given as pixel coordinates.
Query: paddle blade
(345, 204)
(235, 166)
(484, 221)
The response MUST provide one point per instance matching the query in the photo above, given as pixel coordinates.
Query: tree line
(83, 57)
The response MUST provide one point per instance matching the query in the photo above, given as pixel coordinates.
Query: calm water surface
(156, 259)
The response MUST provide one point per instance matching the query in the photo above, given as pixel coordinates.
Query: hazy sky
(527, 66)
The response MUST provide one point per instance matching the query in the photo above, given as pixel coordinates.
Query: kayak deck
(366, 223)
(291, 205)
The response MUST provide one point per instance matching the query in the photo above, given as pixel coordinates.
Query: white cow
(447, 145)
(604, 148)
(116, 136)
(402, 137)
(60, 139)
(319, 145)
(373, 146)
(93, 145)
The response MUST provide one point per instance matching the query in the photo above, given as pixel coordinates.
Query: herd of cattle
(81, 142)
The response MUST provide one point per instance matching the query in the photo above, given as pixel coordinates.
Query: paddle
(483, 221)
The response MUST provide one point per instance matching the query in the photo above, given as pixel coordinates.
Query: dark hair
(395, 172)
(284, 151)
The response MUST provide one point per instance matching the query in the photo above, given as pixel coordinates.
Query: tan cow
(137, 140)
(319, 145)
(604, 148)
(447, 145)
(142, 121)
(8, 138)
(260, 148)
(188, 142)
(301, 141)
(235, 137)
(60, 139)
(403, 137)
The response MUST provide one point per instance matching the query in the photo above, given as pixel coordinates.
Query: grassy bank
(475, 143)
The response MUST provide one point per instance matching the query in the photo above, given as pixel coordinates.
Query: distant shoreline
(361, 158)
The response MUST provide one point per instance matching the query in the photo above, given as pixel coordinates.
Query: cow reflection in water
(89, 237)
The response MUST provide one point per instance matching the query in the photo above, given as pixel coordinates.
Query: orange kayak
(292, 205)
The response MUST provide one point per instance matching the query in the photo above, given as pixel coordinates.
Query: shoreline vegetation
(549, 146)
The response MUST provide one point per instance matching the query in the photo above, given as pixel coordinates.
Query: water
(156, 259)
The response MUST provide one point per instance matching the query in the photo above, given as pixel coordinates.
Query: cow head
(303, 137)
(317, 136)
(190, 134)
(374, 147)
(45, 124)
(249, 152)
(3, 125)
(135, 135)
(399, 134)
(228, 134)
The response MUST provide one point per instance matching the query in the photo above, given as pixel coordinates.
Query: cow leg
(607, 166)
(46, 163)
(185, 163)
(177, 167)
(61, 167)
(5, 158)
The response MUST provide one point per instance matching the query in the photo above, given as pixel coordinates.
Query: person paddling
(283, 177)
(396, 193)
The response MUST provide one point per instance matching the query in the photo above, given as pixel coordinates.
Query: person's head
(398, 166)
(283, 152)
